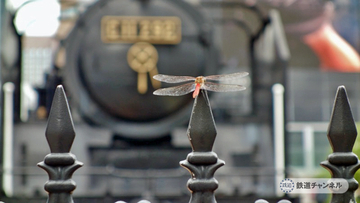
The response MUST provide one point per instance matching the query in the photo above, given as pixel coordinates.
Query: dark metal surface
(60, 164)
(342, 133)
(103, 85)
(202, 130)
(342, 163)
(202, 162)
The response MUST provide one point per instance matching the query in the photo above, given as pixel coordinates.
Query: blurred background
(297, 53)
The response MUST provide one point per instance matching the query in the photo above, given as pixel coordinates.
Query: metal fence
(202, 162)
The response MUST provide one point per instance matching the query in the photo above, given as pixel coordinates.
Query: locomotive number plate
(131, 29)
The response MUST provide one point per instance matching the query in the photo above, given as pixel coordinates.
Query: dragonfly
(197, 83)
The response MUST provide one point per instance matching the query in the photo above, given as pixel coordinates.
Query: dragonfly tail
(196, 91)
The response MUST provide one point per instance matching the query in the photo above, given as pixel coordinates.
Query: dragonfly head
(199, 80)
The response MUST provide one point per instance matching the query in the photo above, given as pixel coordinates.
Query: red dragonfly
(200, 82)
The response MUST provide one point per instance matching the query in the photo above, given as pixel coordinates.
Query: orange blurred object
(333, 51)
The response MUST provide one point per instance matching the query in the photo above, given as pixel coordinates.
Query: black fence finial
(60, 132)
(342, 163)
(60, 164)
(202, 162)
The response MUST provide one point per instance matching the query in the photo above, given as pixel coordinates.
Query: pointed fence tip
(59, 94)
(202, 129)
(60, 131)
(342, 129)
(341, 92)
(60, 88)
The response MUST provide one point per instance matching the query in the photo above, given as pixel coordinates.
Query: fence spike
(60, 131)
(342, 129)
(60, 164)
(202, 130)
(202, 162)
(342, 163)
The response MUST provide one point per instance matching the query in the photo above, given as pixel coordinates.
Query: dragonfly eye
(199, 80)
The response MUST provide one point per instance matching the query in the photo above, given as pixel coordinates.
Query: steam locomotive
(131, 140)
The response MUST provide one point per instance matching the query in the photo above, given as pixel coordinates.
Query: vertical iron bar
(8, 139)
(342, 163)
(279, 135)
(202, 162)
(60, 164)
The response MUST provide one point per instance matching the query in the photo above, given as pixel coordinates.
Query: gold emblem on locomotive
(132, 29)
(142, 57)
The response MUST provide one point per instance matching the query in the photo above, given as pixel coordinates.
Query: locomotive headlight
(38, 18)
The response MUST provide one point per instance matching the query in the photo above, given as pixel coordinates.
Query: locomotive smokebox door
(115, 49)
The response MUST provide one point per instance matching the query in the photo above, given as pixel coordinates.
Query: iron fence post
(60, 164)
(342, 163)
(202, 162)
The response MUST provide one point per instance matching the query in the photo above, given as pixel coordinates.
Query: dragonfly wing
(172, 78)
(176, 91)
(215, 87)
(227, 76)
